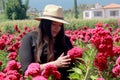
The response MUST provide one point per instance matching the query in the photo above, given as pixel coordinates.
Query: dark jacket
(26, 52)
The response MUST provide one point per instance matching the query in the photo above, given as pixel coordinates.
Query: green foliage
(2, 4)
(15, 9)
(14, 16)
(74, 23)
(8, 29)
(28, 78)
(26, 4)
(84, 68)
(21, 23)
(3, 58)
(2, 17)
(80, 23)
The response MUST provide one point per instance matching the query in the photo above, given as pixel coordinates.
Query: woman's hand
(63, 61)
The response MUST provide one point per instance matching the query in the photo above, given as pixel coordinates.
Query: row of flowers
(95, 54)
(105, 63)
(11, 69)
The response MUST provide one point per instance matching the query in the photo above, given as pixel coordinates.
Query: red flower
(11, 77)
(73, 38)
(13, 74)
(33, 70)
(12, 55)
(0, 63)
(25, 28)
(2, 76)
(75, 52)
(18, 38)
(102, 40)
(2, 44)
(116, 50)
(101, 62)
(116, 70)
(12, 65)
(118, 60)
(51, 70)
(16, 28)
(98, 24)
(39, 78)
(100, 79)
(14, 47)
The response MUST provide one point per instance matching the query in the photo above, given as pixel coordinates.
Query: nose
(57, 28)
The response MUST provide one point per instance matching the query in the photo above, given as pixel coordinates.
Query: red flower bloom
(39, 78)
(11, 77)
(16, 28)
(100, 79)
(51, 70)
(102, 40)
(13, 74)
(0, 63)
(2, 76)
(25, 28)
(118, 60)
(2, 44)
(98, 24)
(101, 62)
(33, 70)
(116, 70)
(12, 65)
(75, 52)
(12, 55)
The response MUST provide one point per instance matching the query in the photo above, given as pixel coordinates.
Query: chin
(54, 35)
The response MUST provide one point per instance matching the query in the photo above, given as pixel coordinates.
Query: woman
(47, 45)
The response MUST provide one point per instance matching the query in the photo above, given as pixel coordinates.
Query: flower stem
(86, 74)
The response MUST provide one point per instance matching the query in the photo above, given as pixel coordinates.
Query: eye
(53, 24)
(60, 24)
(57, 24)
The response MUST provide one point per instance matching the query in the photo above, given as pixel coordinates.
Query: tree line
(14, 9)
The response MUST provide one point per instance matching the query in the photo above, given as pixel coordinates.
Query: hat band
(53, 17)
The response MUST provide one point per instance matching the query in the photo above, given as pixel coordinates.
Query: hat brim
(52, 18)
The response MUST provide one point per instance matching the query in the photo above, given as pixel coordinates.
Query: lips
(55, 32)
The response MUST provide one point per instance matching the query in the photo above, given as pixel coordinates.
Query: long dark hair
(44, 29)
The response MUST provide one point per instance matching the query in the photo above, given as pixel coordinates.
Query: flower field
(95, 55)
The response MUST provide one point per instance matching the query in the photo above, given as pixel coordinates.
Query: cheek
(55, 31)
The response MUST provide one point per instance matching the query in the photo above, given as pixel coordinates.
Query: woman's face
(55, 28)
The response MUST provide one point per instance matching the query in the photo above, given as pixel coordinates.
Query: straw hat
(54, 13)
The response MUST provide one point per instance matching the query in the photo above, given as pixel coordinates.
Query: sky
(67, 4)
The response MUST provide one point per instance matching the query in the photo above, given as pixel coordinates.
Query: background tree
(1, 7)
(14, 9)
(75, 7)
(2, 4)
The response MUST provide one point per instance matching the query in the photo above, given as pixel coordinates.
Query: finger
(66, 57)
(65, 64)
(62, 55)
(66, 60)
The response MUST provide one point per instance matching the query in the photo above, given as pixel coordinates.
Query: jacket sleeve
(26, 54)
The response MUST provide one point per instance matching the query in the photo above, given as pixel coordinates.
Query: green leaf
(74, 76)
(77, 70)
(93, 77)
(82, 67)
